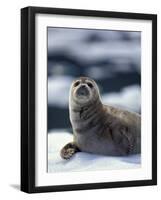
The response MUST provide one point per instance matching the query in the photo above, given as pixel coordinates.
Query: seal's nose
(82, 90)
(83, 87)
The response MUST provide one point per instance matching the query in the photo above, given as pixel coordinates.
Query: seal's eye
(76, 83)
(90, 85)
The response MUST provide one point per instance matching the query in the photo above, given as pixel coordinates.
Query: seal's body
(98, 128)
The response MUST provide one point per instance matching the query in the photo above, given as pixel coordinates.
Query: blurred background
(111, 58)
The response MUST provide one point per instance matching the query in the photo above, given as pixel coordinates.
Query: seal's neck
(81, 112)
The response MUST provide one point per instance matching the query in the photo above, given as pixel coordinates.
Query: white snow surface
(128, 98)
(58, 90)
(82, 161)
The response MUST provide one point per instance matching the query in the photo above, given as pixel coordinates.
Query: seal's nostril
(83, 86)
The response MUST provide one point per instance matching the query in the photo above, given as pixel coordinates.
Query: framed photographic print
(88, 99)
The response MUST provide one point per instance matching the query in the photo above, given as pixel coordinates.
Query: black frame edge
(154, 99)
(27, 100)
(93, 186)
(92, 13)
(24, 100)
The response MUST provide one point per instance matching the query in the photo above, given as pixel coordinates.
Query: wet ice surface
(84, 161)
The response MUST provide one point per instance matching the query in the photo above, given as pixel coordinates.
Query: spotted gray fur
(98, 128)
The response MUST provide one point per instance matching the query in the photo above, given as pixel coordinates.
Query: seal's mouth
(82, 91)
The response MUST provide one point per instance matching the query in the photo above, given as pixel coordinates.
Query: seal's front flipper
(68, 150)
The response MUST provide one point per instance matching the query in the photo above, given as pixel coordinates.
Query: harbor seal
(98, 128)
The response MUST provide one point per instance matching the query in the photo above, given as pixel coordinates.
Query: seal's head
(84, 90)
